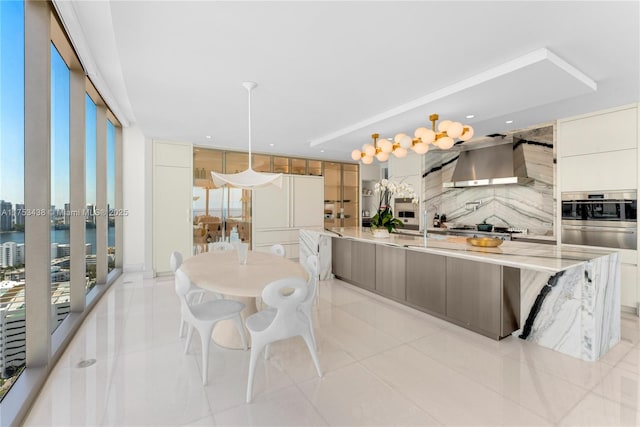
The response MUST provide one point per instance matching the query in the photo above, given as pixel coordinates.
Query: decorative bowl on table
(484, 242)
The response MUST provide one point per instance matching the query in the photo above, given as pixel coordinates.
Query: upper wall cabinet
(598, 132)
(598, 151)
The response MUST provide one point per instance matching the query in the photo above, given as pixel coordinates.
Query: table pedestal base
(226, 335)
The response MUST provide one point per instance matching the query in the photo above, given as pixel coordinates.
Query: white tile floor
(384, 365)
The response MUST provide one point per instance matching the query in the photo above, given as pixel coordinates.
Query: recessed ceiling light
(322, 151)
(470, 116)
(208, 136)
(509, 121)
(271, 145)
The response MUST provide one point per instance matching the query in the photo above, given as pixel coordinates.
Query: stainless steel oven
(407, 212)
(600, 219)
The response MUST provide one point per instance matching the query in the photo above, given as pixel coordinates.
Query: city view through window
(13, 212)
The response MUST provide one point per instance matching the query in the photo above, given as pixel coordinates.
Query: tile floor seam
(400, 392)
(457, 370)
(327, 423)
(554, 374)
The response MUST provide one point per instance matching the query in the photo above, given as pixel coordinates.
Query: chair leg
(189, 335)
(256, 348)
(205, 339)
(313, 334)
(238, 321)
(312, 350)
(183, 324)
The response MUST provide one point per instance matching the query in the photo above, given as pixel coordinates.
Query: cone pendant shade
(249, 178)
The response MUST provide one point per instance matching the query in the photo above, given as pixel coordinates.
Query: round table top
(221, 272)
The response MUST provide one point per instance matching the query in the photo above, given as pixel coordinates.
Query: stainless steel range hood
(495, 165)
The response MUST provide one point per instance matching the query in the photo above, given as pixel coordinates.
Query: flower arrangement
(386, 189)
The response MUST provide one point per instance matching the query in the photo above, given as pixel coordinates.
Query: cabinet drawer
(263, 237)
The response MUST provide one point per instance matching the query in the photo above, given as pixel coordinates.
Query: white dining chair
(278, 249)
(285, 320)
(312, 285)
(195, 294)
(204, 316)
(221, 246)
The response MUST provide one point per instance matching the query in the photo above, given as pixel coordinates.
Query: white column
(77, 181)
(101, 195)
(37, 182)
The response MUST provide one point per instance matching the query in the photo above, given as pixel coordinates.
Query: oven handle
(609, 229)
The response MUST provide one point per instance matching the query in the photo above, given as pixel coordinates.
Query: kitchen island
(566, 299)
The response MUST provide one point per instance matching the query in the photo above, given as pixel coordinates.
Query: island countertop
(530, 256)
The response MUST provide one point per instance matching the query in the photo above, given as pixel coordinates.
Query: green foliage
(384, 219)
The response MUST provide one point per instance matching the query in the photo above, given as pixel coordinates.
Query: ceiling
(332, 73)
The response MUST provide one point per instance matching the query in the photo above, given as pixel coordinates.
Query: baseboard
(133, 268)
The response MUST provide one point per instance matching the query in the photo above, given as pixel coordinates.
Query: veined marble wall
(529, 206)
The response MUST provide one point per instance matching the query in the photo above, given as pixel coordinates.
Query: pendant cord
(250, 89)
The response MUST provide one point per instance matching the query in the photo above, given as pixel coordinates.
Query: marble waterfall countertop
(530, 256)
(569, 297)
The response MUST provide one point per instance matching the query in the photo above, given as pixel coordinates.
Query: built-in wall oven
(407, 212)
(600, 219)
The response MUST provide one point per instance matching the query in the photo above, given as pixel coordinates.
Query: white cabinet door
(609, 131)
(628, 285)
(615, 170)
(308, 201)
(271, 206)
(172, 223)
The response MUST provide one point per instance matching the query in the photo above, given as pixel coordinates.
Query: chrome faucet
(424, 225)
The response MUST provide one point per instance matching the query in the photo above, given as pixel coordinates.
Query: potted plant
(383, 221)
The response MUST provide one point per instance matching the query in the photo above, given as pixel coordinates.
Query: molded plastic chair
(278, 249)
(286, 320)
(307, 305)
(194, 295)
(220, 246)
(204, 316)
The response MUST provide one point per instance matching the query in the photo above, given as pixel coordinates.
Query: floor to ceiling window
(60, 205)
(111, 195)
(12, 209)
(49, 112)
(90, 191)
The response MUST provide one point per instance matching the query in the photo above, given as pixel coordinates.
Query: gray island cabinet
(563, 298)
(470, 294)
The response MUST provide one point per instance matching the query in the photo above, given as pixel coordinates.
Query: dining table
(222, 272)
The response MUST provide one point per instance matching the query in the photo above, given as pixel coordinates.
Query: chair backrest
(182, 284)
(278, 249)
(220, 246)
(175, 260)
(312, 284)
(285, 295)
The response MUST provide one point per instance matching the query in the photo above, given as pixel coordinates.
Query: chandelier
(444, 138)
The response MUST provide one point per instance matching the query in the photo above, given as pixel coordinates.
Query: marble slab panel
(317, 243)
(580, 315)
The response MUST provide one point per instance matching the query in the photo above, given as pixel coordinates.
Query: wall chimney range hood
(494, 165)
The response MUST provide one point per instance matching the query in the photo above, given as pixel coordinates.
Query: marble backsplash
(530, 206)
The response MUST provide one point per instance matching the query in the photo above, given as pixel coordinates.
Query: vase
(379, 232)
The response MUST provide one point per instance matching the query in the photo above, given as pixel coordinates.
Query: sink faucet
(424, 226)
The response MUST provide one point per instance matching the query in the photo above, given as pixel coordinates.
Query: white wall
(133, 189)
